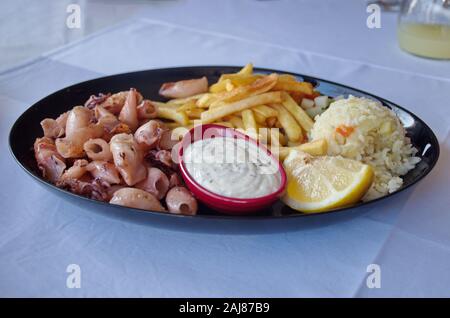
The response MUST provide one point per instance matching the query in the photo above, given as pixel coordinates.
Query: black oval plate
(27, 128)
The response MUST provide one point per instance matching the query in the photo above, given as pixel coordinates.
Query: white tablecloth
(408, 235)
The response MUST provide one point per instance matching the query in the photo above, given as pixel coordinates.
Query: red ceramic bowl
(218, 202)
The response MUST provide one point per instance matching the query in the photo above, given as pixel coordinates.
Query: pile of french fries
(265, 107)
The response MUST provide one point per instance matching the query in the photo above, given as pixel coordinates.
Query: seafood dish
(112, 149)
(236, 145)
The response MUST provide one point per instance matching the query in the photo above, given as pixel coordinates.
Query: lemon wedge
(317, 184)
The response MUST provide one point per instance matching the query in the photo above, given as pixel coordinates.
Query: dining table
(404, 240)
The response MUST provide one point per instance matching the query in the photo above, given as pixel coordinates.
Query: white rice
(378, 139)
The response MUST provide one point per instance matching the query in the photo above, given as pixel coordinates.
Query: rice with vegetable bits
(363, 129)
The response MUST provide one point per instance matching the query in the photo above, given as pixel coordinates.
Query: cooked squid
(87, 187)
(107, 119)
(161, 159)
(184, 88)
(89, 179)
(121, 129)
(156, 183)
(96, 100)
(180, 201)
(77, 170)
(104, 171)
(128, 113)
(112, 103)
(112, 189)
(54, 128)
(136, 198)
(165, 157)
(148, 135)
(174, 180)
(97, 149)
(167, 141)
(78, 117)
(51, 128)
(79, 129)
(61, 120)
(49, 161)
(147, 110)
(128, 158)
(114, 149)
(111, 124)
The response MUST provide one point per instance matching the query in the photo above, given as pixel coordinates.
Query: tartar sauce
(232, 167)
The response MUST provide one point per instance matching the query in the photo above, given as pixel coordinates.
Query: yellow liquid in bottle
(429, 40)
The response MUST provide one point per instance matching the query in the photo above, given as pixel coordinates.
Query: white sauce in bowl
(232, 167)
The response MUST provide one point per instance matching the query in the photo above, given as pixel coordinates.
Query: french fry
(284, 84)
(260, 105)
(252, 133)
(282, 152)
(287, 78)
(227, 81)
(278, 124)
(224, 123)
(214, 114)
(246, 70)
(271, 121)
(265, 111)
(249, 120)
(297, 96)
(217, 104)
(317, 147)
(220, 86)
(239, 79)
(236, 121)
(187, 106)
(181, 101)
(288, 123)
(229, 86)
(206, 100)
(299, 114)
(174, 125)
(260, 86)
(274, 135)
(195, 122)
(261, 120)
(194, 113)
(283, 139)
(167, 105)
(171, 113)
(294, 143)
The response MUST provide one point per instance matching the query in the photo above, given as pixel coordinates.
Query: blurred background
(29, 28)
